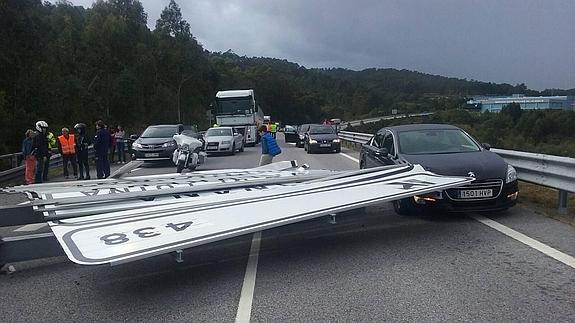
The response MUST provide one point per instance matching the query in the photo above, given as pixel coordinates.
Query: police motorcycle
(189, 153)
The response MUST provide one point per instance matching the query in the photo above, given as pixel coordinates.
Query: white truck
(239, 109)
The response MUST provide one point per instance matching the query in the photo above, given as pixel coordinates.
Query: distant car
(156, 143)
(290, 134)
(301, 132)
(322, 138)
(223, 140)
(445, 150)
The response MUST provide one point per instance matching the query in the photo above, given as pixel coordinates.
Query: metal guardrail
(18, 171)
(377, 119)
(13, 159)
(545, 170)
(354, 137)
(17, 168)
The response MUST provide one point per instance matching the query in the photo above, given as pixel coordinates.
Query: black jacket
(40, 145)
(102, 142)
(82, 142)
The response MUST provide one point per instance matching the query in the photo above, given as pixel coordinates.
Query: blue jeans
(121, 156)
(102, 166)
(39, 171)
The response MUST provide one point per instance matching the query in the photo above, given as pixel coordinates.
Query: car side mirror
(486, 146)
(133, 137)
(382, 152)
(236, 134)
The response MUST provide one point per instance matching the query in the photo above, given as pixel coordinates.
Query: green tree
(180, 57)
(513, 110)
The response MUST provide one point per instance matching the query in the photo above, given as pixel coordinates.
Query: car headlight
(226, 142)
(136, 145)
(312, 141)
(511, 174)
(336, 140)
(169, 144)
(301, 137)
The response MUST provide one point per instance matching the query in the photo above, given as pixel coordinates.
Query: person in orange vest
(67, 148)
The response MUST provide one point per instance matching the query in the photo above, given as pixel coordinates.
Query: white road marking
(31, 227)
(543, 248)
(349, 157)
(245, 307)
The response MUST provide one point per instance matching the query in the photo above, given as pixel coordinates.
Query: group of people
(272, 129)
(38, 146)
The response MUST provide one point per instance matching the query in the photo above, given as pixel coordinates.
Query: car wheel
(404, 206)
(337, 151)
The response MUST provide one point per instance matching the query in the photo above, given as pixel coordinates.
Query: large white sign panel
(129, 235)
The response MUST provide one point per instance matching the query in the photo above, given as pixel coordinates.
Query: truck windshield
(234, 106)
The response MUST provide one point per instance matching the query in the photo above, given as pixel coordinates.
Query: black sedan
(157, 142)
(322, 138)
(445, 150)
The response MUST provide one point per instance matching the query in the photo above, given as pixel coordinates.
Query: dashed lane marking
(349, 157)
(541, 247)
(245, 307)
(31, 227)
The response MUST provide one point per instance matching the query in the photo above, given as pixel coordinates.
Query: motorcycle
(189, 153)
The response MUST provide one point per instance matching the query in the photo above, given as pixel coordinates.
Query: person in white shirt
(120, 144)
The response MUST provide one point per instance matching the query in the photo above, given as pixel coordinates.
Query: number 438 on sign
(142, 233)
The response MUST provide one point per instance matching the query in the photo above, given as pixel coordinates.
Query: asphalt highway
(370, 265)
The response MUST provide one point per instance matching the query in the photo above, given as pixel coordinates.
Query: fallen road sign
(129, 235)
(119, 222)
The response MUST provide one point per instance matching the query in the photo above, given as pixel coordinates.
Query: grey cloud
(511, 41)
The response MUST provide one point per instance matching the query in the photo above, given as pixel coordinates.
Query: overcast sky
(511, 41)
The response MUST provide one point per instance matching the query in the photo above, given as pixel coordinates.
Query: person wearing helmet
(101, 146)
(40, 149)
(83, 141)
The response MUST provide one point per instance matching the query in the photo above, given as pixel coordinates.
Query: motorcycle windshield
(190, 141)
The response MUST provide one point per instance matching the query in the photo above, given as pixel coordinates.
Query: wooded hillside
(67, 64)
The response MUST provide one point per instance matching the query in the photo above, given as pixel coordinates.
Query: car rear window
(160, 132)
(218, 132)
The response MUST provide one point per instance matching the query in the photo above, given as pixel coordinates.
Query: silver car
(223, 140)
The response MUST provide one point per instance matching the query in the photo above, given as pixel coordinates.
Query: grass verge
(545, 201)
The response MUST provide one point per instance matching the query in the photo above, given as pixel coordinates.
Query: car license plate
(212, 148)
(152, 155)
(470, 194)
(325, 145)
